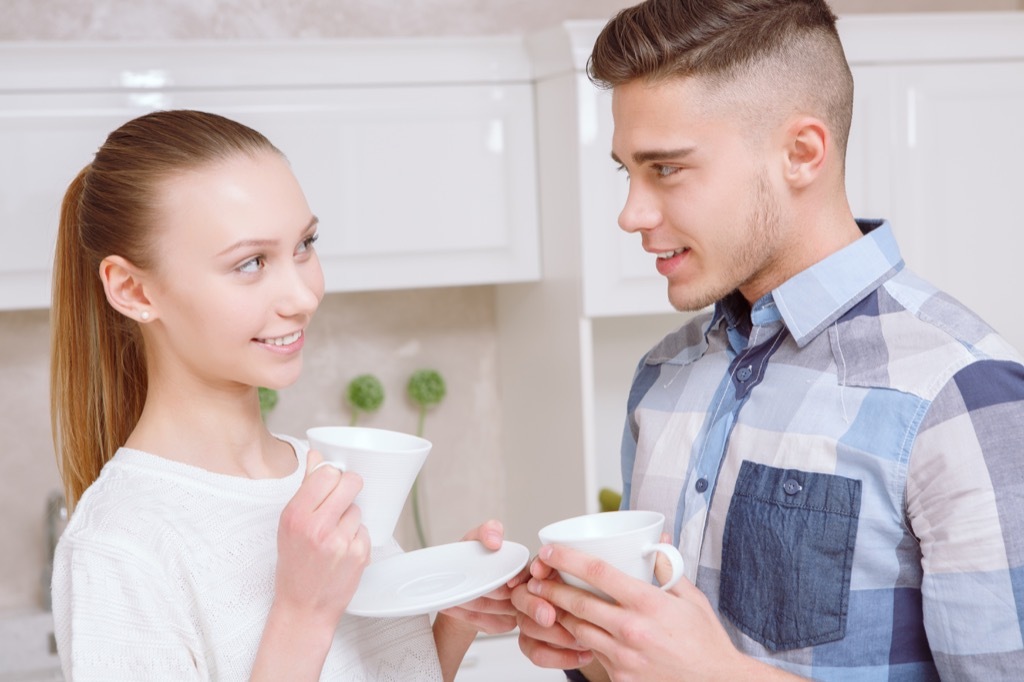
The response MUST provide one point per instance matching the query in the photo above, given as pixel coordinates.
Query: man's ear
(124, 285)
(808, 143)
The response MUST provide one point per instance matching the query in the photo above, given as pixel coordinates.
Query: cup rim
(407, 443)
(550, 533)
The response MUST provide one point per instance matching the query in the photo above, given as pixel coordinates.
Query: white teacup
(387, 461)
(628, 540)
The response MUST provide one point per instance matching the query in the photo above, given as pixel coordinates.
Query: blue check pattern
(842, 467)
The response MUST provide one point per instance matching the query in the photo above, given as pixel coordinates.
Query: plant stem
(416, 513)
(415, 487)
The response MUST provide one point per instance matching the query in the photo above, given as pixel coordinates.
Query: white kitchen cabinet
(936, 146)
(416, 155)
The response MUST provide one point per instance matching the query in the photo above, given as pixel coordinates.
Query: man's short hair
(783, 56)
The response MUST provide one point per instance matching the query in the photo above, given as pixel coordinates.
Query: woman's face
(236, 279)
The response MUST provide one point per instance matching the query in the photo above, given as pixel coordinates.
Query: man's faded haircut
(784, 54)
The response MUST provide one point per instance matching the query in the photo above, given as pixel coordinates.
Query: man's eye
(665, 171)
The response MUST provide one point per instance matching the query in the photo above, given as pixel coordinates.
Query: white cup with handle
(387, 461)
(629, 540)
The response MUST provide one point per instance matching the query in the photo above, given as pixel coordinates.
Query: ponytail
(97, 364)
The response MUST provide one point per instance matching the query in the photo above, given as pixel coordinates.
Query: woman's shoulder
(141, 497)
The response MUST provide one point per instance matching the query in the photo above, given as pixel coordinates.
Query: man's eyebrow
(264, 243)
(656, 155)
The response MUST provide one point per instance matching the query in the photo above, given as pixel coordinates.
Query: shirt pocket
(787, 554)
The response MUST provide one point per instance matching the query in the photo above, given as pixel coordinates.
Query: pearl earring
(144, 315)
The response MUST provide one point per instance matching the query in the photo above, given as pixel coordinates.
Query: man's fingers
(545, 655)
(533, 606)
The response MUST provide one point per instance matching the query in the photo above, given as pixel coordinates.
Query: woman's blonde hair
(98, 376)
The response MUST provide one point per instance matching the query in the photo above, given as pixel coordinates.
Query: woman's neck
(220, 430)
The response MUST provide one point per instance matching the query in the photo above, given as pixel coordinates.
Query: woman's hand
(455, 628)
(322, 546)
(322, 550)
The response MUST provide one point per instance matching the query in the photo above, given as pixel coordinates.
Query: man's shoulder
(923, 306)
(911, 336)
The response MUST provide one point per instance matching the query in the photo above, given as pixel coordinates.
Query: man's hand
(648, 634)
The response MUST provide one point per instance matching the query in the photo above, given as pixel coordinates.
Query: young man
(837, 445)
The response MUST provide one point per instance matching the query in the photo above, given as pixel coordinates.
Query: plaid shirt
(842, 466)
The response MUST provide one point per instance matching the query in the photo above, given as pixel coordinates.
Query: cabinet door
(958, 184)
(619, 277)
(46, 140)
(935, 148)
(414, 186)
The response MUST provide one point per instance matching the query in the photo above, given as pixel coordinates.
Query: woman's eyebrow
(264, 243)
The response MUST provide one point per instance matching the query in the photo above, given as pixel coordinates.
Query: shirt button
(701, 485)
(792, 487)
(744, 373)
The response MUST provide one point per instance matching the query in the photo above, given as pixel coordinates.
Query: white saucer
(435, 578)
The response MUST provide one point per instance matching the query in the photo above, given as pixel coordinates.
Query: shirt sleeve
(643, 379)
(117, 616)
(965, 504)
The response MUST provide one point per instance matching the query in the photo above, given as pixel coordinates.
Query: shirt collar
(813, 299)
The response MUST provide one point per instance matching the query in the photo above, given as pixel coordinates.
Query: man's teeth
(669, 254)
(283, 340)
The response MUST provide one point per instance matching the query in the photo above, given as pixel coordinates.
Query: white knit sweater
(166, 572)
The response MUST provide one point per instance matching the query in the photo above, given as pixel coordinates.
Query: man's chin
(689, 301)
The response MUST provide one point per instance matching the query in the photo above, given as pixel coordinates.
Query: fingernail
(545, 616)
(585, 658)
(533, 586)
(545, 552)
(494, 538)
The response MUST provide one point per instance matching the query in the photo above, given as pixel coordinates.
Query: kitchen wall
(387, 333)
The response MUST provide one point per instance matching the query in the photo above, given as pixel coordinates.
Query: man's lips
(668, 261)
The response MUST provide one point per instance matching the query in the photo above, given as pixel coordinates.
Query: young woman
(201, 545)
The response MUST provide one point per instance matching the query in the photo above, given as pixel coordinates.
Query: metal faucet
(56, 520)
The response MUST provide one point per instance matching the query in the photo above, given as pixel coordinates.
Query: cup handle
(671, 552)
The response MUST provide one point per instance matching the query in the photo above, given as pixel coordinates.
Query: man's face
(700, 193)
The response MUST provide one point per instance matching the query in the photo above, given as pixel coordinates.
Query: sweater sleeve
(118, 616)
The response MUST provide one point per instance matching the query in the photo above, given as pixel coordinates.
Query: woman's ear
(124, 286)
(807, 142)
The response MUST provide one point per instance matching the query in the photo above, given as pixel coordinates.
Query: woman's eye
(307, 243)
(253, 265)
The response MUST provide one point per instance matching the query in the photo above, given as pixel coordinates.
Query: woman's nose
(302, 289)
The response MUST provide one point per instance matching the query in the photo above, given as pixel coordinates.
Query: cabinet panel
(46, 141)
(416, 184)
(619, 277)
(960, 185)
